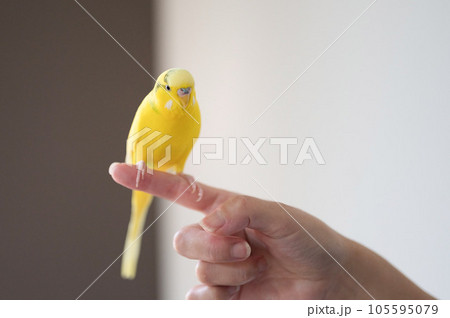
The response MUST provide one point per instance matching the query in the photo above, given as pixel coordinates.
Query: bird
(162, 134)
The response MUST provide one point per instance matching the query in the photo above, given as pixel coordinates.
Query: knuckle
(173, 192)
(242, 275)
(213, 251)
(179, 241)
(239, 203)
(182, 186)
(178, 190)
(246, 273)
(202, 273)
(286, 218)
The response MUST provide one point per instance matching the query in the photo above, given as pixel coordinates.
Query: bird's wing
(138, 129)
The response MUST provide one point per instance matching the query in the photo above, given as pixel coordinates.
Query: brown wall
(68, 96)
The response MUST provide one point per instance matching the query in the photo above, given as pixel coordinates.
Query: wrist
(346, 281)
(369, 276)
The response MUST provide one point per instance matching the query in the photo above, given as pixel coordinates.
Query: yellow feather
(162, 135)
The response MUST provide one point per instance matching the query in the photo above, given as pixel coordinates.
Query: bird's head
(174, 90)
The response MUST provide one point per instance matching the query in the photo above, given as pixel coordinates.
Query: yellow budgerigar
(161, 137)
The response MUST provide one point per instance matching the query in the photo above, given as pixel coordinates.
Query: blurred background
(376, 104)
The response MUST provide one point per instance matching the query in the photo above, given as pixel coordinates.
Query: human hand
(247, 248)
(250, 248)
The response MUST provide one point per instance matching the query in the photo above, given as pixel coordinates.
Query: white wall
(376, 104)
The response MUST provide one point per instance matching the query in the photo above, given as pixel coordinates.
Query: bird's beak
(184, 94)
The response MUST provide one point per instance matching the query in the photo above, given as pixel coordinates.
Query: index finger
(181, 188)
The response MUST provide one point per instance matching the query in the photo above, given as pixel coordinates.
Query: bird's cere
(184, 91)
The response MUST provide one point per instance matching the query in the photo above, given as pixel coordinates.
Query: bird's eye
(168, 87)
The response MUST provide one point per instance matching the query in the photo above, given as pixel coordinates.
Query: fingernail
(213, 222)
(112, 167)
(240, 250)
(262, 264)
(233, 290)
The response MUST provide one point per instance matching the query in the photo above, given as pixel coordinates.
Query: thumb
(239, 212)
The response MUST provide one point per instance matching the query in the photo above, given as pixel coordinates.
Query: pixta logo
(151, 149)
(303, 150)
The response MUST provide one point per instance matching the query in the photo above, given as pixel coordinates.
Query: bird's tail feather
(140, 202)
